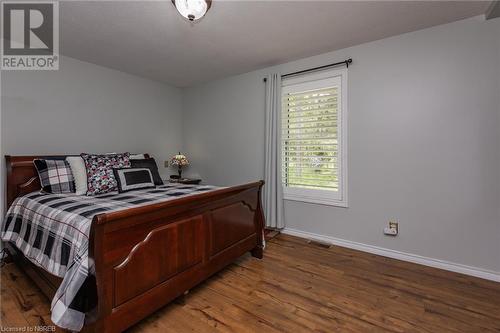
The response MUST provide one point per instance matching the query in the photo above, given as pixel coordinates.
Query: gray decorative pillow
(100, 177)
(129, 179)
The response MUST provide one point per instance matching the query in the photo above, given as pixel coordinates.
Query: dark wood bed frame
(147, 256)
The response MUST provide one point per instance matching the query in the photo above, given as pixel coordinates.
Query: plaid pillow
(55, 176)
(100, 177)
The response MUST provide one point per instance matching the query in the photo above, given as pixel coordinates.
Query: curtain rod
(345, 62)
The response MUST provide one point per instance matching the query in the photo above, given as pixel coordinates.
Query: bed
(189, 238)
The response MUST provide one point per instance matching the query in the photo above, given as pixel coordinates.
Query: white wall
(88, 108)
(424, 142)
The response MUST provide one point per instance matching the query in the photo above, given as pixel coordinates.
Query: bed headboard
(22, 177)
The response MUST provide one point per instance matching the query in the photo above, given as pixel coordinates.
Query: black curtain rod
(345, 62)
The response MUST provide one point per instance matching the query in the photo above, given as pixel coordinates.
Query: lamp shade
(179, 160)
(192, 9)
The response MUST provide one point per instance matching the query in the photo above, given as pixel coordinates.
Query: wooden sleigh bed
(147, 256)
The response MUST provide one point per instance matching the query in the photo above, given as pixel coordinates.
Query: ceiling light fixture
(193, 10)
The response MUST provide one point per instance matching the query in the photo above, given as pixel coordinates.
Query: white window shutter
(312, 139)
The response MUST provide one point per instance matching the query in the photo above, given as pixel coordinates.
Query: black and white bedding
(52, 230)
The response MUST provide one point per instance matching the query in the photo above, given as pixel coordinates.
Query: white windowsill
(316, 200)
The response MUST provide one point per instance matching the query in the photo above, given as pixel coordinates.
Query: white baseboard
(436, 263)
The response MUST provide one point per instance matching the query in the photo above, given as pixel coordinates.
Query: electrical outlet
(394, 225)
(165, 164)
(392, 229)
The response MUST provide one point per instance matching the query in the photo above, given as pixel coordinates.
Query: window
(314, 163)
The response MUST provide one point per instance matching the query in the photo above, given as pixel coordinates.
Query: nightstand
(189, 181)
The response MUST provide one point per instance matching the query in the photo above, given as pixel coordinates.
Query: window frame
(324, 197)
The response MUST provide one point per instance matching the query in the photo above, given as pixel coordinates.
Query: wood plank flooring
(301, 287)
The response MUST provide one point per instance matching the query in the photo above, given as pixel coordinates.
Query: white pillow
(79, 174)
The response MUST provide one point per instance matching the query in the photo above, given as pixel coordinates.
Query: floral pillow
(100, 177)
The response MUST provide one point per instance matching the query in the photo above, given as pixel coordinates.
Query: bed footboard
(147, 256)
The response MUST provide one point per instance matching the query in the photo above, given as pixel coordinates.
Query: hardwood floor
(301, 287)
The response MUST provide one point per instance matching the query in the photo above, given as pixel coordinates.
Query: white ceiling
(149, 38)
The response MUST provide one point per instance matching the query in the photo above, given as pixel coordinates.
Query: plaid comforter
(52, 230)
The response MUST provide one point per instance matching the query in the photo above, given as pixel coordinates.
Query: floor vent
(318, 243)
(270, 234)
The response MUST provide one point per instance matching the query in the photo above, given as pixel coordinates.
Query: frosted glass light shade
(192, 9)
